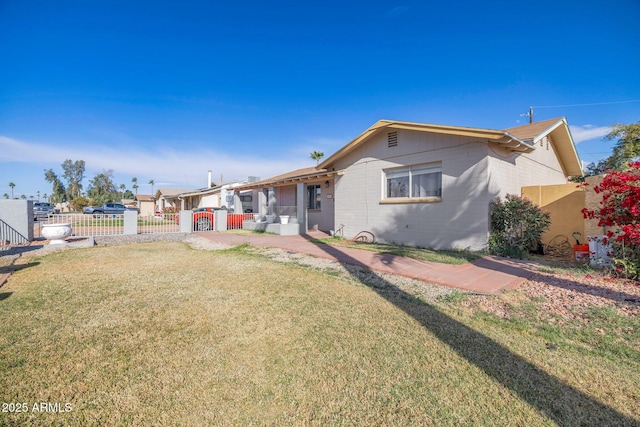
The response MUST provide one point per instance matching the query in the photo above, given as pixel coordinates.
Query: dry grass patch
(159, 333)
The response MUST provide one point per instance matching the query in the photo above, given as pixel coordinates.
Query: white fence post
(16, 219)
(186, 221)
(130, 222)
(220, 220)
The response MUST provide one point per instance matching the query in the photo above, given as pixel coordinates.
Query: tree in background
(5, 195)
(626, 150)
(74, 174)
(122, 188)
(12, 185)
(316, 155)
(151, 182)
(59, 193)
(79, 203)
(102, 189)
(135, 184)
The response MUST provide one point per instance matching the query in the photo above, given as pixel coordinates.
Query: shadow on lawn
(12, 267)
(560, 402)
(5, 295)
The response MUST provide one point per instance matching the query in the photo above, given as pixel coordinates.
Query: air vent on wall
(392, 139)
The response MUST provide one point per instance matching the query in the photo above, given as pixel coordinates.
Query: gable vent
(392, 139)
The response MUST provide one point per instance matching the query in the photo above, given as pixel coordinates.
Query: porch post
(301, 206)
(262, 202)
(237, 203)
(272, 201)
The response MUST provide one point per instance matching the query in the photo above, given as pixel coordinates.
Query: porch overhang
(283, 180)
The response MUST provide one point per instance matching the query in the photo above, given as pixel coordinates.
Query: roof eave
(288, 180)
(515, 144)
(390, 124)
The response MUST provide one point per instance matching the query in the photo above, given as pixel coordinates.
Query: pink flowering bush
(620, 210)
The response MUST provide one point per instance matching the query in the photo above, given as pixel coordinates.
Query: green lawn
(162, 334)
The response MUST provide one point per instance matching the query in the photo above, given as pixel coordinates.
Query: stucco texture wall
(459, 220)
(16, 221)
(564, 203)
(509, 172)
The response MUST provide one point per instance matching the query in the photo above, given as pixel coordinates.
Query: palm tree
(122, 188)
(135, 184)
(38, 193)
(317, 155)
(151, 182)
(23, 197)
(5, 195)
(11, 184)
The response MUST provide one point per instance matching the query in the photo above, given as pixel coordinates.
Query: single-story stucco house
(423, 184)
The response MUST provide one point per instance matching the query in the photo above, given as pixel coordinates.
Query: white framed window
(414, 182)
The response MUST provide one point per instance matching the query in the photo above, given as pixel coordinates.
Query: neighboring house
(145, 203)
(423, 184)
(169, 198)
(204, 197)
(215, 196)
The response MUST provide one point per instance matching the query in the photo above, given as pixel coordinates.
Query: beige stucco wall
(474, 172)
(509, 172)
(146, 207)
(460, 220)
(210, 201)
(323, 219)
(564, 203)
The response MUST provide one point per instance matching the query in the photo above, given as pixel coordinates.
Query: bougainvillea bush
(516, 226)
(620, 210)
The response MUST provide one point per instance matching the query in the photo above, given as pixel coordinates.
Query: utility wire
(587, 105)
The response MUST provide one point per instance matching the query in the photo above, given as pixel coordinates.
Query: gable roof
(558, 129)
(169, 193)
(520, 139)
(144, 198)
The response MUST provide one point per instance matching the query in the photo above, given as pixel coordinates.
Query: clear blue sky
(166, 90)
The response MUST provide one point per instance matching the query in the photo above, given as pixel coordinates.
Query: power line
(587, 105)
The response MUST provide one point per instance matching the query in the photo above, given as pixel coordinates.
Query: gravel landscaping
(565, 292)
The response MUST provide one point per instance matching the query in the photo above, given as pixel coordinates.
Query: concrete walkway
(488, 275)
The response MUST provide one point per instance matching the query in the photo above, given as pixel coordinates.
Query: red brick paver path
(488, 275)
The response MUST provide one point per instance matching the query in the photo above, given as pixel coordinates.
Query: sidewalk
(488, 275)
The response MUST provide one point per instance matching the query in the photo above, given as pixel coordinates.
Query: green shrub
(516, 226)
(79, 203)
